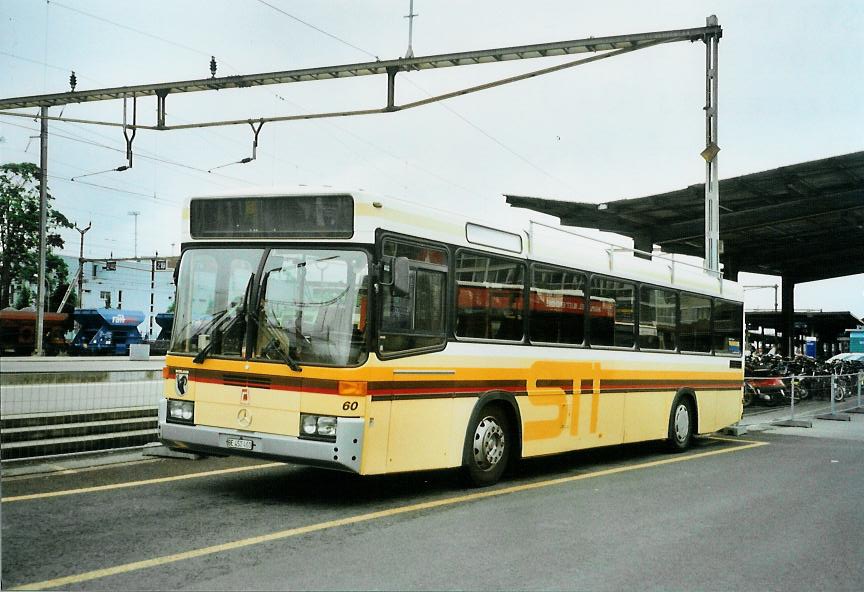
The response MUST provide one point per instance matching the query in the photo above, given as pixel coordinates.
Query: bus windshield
(212, 286)
(311, 305)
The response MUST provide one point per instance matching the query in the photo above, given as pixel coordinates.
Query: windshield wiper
(214, 318)
(222, 328)
(225, 323)
(286, 357)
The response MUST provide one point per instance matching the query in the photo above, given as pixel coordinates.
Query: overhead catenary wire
(319, 29)
(144, 33)
(428, 94)
(348, 44)
(170, 42)
(166, 198)
(126, 27)
(52, 66)
(625, 42)
(141, 154)
(116, 189)
(633, 45)
(119, 169)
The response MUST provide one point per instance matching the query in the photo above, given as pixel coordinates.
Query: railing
(796, 400)
(51, 413)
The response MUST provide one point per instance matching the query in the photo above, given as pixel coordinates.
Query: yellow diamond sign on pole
(710, 152)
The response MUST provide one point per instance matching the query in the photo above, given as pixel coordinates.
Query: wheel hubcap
(682, 422)
(489, 443)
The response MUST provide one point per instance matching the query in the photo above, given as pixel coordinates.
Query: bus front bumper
(343, 454)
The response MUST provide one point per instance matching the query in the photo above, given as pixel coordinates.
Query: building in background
(145, 284)
(828, 332)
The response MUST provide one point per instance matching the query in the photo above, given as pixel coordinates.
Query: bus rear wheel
(681, 422)
(488, 447)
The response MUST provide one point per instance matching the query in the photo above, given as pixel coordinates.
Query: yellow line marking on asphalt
(34, 496)
(735, 440)
(292, 532)
(61, 470)
(49, 474)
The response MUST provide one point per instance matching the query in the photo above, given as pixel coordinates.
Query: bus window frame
(252, 332)
(677, 292)
(587, 297)
(377, 318)
(727, 354)
(635, 284)
(267, 247)
(455, 289)
(189, 246)
(710, 299)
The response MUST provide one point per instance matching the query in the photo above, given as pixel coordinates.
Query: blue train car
(106, 331)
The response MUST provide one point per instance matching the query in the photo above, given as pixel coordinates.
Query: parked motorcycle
(762, 383)
(769, 391)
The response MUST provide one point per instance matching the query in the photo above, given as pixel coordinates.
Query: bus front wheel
(488, 447)
(681, 422)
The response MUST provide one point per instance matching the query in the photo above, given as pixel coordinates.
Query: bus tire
(682, 420)
(488, 448)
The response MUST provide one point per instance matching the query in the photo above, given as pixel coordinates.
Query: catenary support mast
(43, 234)
(712, 178)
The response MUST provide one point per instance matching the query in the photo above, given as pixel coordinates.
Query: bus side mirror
(401, 275)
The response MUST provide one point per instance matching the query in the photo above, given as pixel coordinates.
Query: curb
(71, 463)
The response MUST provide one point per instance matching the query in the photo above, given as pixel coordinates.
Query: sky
(790, 91)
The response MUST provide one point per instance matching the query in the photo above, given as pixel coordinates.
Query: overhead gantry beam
(613, 45)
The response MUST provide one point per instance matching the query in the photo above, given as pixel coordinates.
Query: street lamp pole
(136, 214)
(43, 224)
(83, 231)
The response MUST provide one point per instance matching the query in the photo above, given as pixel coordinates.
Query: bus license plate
(240, 443)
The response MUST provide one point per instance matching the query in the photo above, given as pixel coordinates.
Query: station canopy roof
(824, 324)
(804, 221)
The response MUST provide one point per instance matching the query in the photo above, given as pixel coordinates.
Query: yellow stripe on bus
(481, 367)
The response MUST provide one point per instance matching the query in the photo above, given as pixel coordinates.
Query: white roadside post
(860, 407)
(834, 416)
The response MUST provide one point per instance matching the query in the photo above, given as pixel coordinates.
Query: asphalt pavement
(764, 511)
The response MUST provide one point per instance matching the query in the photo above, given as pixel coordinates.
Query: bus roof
(522, 238)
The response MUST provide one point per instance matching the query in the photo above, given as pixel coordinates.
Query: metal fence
(49, 413)
(795, 401)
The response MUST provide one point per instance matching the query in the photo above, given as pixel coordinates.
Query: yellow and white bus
(366, 334)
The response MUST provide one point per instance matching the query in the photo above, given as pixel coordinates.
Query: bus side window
(489, 297)
(612, 312)
(695, 325)
(416, 320)
(657, 312)
(727, 335)
(557, 305)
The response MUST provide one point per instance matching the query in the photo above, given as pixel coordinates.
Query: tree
(24, 297)
(19, 231)
(56, 297)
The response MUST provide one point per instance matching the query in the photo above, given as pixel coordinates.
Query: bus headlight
(318, 427)
(327, 426)
(308, 425)
(180, 411)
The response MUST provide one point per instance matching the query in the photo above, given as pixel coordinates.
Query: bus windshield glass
(312, 307)
(212, 287)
